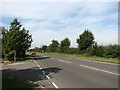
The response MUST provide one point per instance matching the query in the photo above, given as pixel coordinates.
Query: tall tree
(44, 48)
(53, 47)
(64, 45)
(85, 40)
(15, 39)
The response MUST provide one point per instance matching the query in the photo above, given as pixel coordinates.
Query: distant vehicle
(33, 53)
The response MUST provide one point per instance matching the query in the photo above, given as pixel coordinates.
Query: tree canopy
(53, 47)
(15, 39)
(85, 40)
(64, 45)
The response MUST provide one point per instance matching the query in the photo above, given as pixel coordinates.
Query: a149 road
(75, 73)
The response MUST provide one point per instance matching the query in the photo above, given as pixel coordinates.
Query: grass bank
(15, 82)
(85, 57)
(27, 58)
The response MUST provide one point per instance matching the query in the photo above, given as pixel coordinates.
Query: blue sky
(55, 20)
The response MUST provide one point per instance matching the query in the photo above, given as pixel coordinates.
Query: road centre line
(64, 61)
(55, 85)
(99, 62)
(99, 69)
(94, 61)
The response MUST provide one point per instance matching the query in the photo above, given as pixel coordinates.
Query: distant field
(84, 57)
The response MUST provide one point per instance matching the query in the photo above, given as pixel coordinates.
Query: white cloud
(48, 21)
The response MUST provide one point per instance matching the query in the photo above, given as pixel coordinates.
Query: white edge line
(54, 85)
(100, 70)
(45, 75)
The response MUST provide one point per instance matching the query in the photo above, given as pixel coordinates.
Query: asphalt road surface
(75, 73)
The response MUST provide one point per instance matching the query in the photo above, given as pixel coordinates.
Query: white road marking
(98, 62)
(99, 70)
(43, 72)
(64, 61)
(44, 56)
(40, 68)
(55, 85)
(47, 77)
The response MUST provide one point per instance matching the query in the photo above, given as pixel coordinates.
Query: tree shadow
(39, 58)
(31, 74)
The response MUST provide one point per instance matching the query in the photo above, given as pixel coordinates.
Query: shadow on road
(31, 74)
(36, 57)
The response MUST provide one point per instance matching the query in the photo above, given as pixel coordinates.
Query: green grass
(15, 82)
(27, 58)
(85, 57)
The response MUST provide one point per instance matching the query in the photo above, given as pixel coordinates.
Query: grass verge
(85, 57)
(15, 82)
(27, 58)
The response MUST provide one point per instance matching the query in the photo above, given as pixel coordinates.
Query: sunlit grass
(27, 58)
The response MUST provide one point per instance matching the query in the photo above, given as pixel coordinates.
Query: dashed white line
(55, 85)
(99, 70)
(64, 61)
(47, 77)
(99, 62)
(45, 74)
(40, 68)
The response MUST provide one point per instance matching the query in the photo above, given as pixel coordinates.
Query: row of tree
(86, 45)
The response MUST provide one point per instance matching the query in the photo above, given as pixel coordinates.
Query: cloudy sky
(56, 20)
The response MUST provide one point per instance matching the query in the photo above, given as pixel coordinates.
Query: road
(76, 73)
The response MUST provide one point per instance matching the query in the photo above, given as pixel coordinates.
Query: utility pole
(15, 56)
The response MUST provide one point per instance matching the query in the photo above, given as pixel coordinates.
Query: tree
(53, 47)
(15, 39)
(85, 40)
(36, 49)
(64, 45)
(44, 48)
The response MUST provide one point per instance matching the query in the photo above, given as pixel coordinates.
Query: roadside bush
(99, 51)
(72, 51)
(111, 51)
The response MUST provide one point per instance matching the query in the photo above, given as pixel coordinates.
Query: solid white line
(54, 85)
(100, 70)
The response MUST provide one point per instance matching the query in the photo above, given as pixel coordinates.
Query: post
(15, 56)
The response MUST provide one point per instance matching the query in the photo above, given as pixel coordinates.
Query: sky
(57, 20)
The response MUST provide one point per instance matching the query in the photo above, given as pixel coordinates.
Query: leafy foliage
(53, 47)
(112, 51)
(64, 45)
(15, 39)
(44, 47)
(85, 40)
(86, 46)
